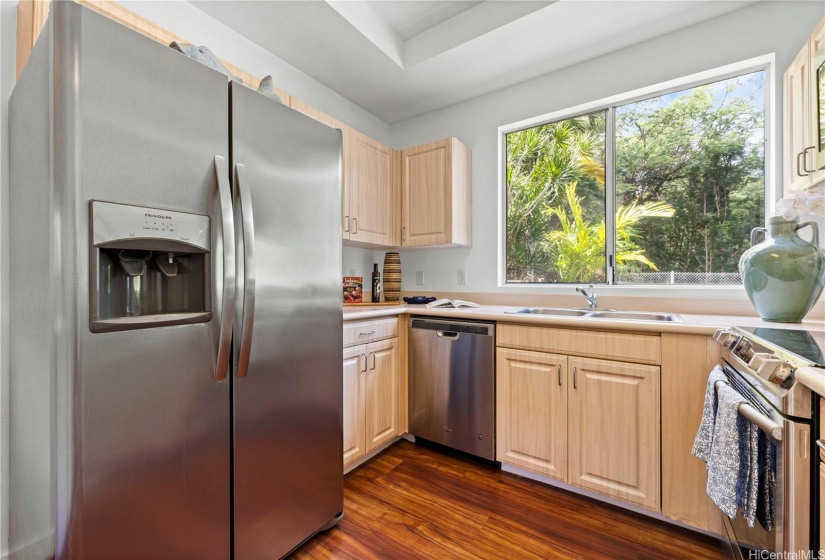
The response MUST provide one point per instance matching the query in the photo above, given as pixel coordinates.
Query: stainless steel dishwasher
(452, 383)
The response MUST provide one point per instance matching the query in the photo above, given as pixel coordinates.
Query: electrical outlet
(419, 278)
(462, 278)
(352, 272)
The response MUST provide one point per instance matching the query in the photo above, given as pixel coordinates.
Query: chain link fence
(673, 277)
(651, 278)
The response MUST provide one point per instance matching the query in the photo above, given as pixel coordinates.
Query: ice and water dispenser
(149, 267)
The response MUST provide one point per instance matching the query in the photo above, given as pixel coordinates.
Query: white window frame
(763, 63)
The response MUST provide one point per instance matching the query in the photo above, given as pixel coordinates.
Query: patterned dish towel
(741, 460)
(704, 438)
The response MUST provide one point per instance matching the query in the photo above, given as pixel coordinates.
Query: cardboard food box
(353, 289)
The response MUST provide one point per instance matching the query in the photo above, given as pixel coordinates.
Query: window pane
(690, 182)
(556, 202)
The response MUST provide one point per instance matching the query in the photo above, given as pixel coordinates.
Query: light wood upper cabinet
(320, 116)
(381, 392)
(531, 404)
(373, 202)
(355, 359)
(797, 121)
(370, 202)
(436, 184)
(32, 15)
(800, 134)
(614, 429)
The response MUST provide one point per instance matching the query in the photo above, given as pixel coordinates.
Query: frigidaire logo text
(162, 217)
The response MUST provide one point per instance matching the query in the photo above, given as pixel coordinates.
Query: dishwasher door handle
(447, 334)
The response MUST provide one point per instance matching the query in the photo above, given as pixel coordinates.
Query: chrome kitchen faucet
(592, 298)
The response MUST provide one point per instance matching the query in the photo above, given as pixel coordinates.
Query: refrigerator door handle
(228, 295)
(247, 261)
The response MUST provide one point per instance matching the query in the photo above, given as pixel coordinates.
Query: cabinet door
(426, 192)
(686, 361)
(355, 359)
(373, 204)
(531, 411)
(796, 119)
(821, 506)
(381, 392)
(817, 44)
(614, 429)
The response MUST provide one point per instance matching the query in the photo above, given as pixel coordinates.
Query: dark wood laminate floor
(416, 501)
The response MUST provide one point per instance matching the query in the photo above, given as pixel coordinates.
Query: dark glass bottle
(376, 284)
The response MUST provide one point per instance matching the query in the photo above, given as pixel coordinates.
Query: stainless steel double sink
(598, 314)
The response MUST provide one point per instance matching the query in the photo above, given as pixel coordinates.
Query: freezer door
(287, 384)
(140, 421)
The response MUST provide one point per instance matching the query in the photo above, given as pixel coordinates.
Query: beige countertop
(691, 324)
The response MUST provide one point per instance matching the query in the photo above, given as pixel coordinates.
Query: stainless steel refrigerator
(176, 327)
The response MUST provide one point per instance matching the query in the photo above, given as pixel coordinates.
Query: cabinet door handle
(366, 333)
(798, 168)
(559, 368)
(373, 360)
(805, 159)
(355, 226)
(575, 381)
(365, 363)
(403, 233)
(346, 227)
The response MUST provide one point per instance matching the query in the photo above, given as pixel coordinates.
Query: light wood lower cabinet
(355, 359)
(371, 397)
(531, 399)
(381, 409)
(821, 506)
(593, 423)
(686, 362)
(613, 434)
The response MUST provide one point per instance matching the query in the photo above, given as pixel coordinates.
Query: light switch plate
(419, 278)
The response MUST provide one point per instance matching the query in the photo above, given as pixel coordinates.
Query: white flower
(798, 204)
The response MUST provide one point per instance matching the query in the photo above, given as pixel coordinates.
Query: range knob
(775, 370)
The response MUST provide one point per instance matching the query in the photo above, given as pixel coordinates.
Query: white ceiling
(409, 18)
(401, 59)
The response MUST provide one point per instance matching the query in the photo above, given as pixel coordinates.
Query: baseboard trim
(524, 473)
(358, 462)
(39, 548)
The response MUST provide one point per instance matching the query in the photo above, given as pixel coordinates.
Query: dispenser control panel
(112, 223)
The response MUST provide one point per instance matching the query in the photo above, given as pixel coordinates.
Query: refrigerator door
(287, 386)
(141, 425)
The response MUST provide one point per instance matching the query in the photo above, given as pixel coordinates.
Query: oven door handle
(774, 430)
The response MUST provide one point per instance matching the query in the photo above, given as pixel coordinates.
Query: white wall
(780, 27)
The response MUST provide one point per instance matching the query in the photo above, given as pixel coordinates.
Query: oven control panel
(759, 358)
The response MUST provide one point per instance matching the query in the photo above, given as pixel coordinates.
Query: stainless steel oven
(763, 373)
